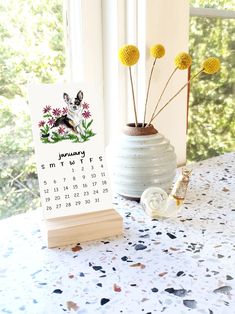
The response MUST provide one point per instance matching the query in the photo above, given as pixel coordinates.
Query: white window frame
(83, 21)
(207, 12)
(135, 25)
(166, 22)
(140, 22)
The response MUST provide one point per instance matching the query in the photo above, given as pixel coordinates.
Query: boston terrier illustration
(73, 118)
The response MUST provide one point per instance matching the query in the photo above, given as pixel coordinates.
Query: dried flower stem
(159, 99)
(133, 96)
(186, 84)
(147, 95)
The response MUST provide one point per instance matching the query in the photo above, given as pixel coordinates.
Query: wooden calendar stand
(82, 227)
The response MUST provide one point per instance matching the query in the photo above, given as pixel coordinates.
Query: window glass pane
(211, 110)
(214, 4)
(31, 50)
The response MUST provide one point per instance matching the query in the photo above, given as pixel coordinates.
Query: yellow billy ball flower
(183, 61)
(211, 65)
(128, 55)
(157, 51)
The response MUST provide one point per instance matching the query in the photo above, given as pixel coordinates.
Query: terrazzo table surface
(179, 265)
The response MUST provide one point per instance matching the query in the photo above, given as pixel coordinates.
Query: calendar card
(69, 145)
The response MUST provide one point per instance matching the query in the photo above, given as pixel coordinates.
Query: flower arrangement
(52, 133)
(129, 56)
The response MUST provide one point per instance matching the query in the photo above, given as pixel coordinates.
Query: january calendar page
(68, 131)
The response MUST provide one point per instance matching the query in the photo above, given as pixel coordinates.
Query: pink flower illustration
(41, 123)
(64, 111)
(51, 121)
(86, 114)
(61, 130)
(85, 105)
(46, 109)
(56, 112)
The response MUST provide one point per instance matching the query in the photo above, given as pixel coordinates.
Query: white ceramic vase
(142, 158)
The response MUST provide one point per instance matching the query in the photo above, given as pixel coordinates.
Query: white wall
(143, 23)
(166, 22)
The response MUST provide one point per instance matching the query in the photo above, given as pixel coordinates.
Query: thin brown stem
(147, 95)
(133, 96)
(186, 84)
(159, 99)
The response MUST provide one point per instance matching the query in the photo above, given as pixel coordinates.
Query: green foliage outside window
(211, 108)
(32, 49)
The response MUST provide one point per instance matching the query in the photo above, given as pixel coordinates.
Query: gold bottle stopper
(180, 188)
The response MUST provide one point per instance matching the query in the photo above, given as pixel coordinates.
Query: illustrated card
(68, 134)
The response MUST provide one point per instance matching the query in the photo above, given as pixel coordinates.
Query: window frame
(134, 22)
(207, 12)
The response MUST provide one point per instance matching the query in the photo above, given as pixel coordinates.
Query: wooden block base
(83, 227)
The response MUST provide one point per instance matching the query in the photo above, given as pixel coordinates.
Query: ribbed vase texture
(139, 162)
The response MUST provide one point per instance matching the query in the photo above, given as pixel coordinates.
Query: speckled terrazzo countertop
(180, 265)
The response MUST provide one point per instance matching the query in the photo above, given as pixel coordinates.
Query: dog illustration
(73, 118)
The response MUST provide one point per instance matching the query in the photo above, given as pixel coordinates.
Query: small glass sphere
(157, 203)
(154, 201)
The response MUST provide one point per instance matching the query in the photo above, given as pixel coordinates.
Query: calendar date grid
(75, 183)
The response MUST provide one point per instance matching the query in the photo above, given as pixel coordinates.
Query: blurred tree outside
(211, 109)
(32, 50)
